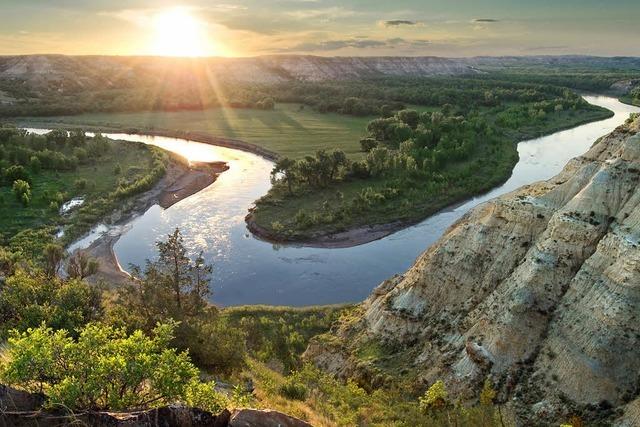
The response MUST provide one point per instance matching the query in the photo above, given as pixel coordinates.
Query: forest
(415, 162)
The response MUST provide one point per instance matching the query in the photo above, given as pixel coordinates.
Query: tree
(287, 168)
(80, 265)
(16, 173)
(177, 271)
(35, 164)
(377, 161)
(368, 144)
(487, 394)
(22, 191)
(53, 257)
(409, 118)
(171, 287)
(58, 136)
(103, 369)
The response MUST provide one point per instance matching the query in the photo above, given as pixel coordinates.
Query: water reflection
(249, 271)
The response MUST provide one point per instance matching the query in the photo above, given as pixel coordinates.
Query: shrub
(80, 184)
(487, 394)
(22, 191)
(103, 369)
(29, 299)
(206, 397)
(436, 397)
(294, 389)
(16, 173)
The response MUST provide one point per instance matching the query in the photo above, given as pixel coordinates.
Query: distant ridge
(47, 69)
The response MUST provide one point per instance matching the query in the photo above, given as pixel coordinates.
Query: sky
(451, 28)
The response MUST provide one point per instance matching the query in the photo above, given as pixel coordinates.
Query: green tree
(488, 393)
(436, 397)
(409, 118)
(30, 298)
(22, 191)
(286, 168)
(104, 368)
(368, 144)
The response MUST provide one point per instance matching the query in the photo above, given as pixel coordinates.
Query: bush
(294, 389)
(16, 173)
(29, 299)
(22, 191)
(103, 369)
(436, 397)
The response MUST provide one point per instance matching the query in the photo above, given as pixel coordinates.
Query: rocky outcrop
(22, 409)
(166, 416)
(264, 418)
(538, 290)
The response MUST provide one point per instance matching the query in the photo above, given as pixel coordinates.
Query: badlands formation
(538, 290)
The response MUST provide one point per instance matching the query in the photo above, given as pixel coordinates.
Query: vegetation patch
(415, 163)
(41, 174)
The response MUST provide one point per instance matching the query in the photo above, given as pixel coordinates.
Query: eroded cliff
(538, 290)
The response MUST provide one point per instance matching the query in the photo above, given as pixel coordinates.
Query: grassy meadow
(289, 130)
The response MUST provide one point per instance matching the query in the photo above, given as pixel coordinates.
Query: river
(250, 271)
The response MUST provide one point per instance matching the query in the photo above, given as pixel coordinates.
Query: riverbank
(202, 137)
(180, 181)
(274, 219)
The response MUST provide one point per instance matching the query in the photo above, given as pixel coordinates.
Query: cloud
(398, 23)
(484, 20)
(329, 13)
(332, 45)
(542, 48)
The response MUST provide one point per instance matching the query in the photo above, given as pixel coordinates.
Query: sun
(178, 33)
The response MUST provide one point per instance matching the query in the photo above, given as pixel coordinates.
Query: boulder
(264, 418)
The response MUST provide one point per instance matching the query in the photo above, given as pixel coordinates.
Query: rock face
(538, 290)
(266, 418)
(166, 416)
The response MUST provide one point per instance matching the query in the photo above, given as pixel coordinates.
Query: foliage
(293, 388)
(205, 396)
(488, 393)
(44, 171)
(330, 401)
(435, 398)
(281, 334)
(176, 287)
(104, 368)
(417, 162)
(80, 266)
(29, 299)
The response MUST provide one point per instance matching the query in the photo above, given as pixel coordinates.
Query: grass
(279, 335)
(100, 178)
(287, 130)
(491, 165)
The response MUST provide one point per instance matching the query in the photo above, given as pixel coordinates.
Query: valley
(352, 242)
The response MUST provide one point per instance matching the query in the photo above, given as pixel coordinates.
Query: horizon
(171, 57)
(325, 28)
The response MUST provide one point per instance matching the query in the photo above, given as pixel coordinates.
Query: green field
(287, 130)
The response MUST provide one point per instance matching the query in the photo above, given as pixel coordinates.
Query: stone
(264, 418)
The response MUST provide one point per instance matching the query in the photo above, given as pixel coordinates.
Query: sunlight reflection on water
(249, 271)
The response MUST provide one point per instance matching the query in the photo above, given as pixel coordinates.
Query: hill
(537, 290)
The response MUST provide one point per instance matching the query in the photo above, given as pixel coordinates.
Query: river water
(250, 271)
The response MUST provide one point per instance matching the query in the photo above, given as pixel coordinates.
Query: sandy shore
(345, 239)
(179, 182)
